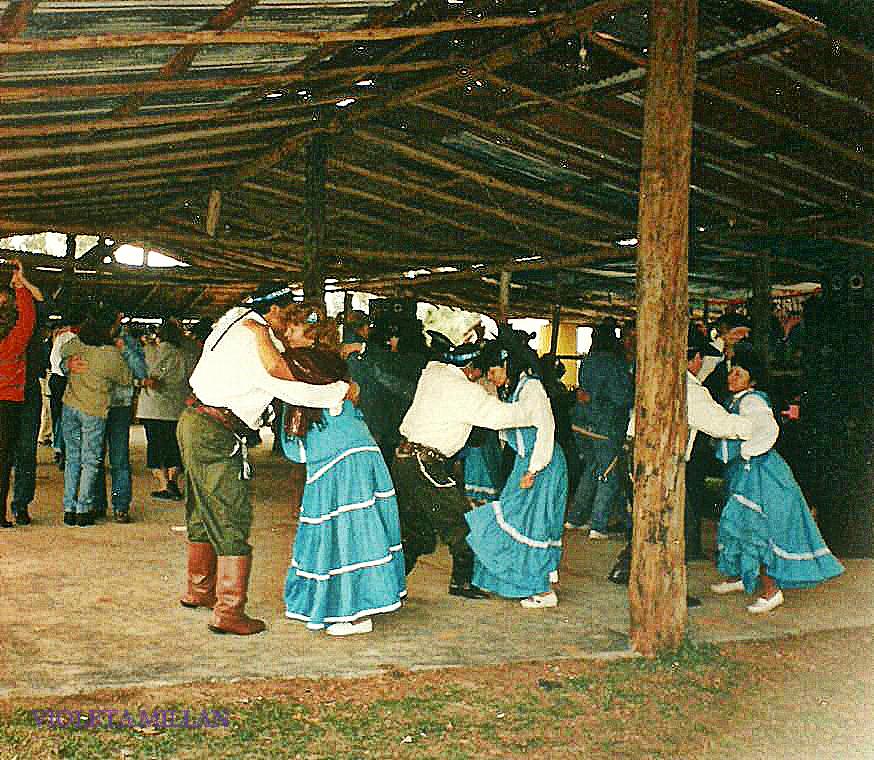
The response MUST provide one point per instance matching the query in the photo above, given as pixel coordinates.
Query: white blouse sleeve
(765, 428)
(534, 397)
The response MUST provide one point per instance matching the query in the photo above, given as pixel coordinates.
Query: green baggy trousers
(218, 506)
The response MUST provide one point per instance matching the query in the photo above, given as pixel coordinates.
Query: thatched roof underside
(462, 137)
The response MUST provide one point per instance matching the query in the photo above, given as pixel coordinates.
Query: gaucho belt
(219, 413)
(409, 448)
(433, 465)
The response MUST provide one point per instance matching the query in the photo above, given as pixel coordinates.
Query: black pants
(10, 423)
(428, 512)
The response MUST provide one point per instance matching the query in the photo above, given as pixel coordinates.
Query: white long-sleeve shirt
(706, 415)
(764, 428)
(447, 406)
(230, 374)
(540, 417)
(709, 417)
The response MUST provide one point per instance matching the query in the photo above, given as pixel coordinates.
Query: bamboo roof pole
(657, 589)
(213, 209)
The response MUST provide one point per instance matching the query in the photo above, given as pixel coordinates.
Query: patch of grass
(632, 709)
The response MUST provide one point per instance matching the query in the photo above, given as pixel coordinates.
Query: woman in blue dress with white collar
(767, 537)
(517, 539)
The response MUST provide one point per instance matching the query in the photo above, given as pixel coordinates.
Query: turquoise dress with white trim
(347, 562)
(482, 465)
(766, 521)
(517, 539)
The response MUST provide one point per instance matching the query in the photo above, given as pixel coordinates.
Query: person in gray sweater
(160, 406)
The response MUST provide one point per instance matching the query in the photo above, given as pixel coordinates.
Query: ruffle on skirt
(517, 540)
(766, 521)
(347, 562)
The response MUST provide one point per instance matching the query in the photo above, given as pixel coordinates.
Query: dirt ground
(84, 611)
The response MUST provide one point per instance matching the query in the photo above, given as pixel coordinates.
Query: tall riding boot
(201, 576)
(462, 571)
(229, 615)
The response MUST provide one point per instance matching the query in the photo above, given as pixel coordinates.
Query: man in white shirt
(446, 407)
(706, 416)
(232, 390)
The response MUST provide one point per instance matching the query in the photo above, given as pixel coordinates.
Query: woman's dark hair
(747, 357)
(520, 356)
(170, 332)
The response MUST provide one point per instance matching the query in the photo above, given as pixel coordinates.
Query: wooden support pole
(213, 209)
(657, 589)
(313, 265)
(504, 296)
(556, 322)
(761, 305)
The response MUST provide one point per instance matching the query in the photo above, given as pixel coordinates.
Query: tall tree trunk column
(313, 265)
(657, 590)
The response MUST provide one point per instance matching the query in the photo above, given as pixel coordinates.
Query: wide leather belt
(410, 448)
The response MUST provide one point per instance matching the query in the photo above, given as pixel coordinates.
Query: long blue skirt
(766, 522)
(482, 467)
(517, 540)
(347, 561)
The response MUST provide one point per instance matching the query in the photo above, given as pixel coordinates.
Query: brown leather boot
(228, 615)
(201, 576)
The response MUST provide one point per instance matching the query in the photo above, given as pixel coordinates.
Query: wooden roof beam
(220, 37)
(19, 93)
(812, 26)
(15, 18)
(182, 59)
(784, 122)
(420, 155)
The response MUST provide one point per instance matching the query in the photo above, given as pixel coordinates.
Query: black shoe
(122, 517)
(467, 590)
(59, 460)
(692, 601)
(174, 491)
(22, 517)
(70, 519)
(85, 520)
(4, 523)
(165, 494)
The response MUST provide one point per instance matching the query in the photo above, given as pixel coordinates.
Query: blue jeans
(25, 449)
(600, 485)
(118, 445)
(83, 439)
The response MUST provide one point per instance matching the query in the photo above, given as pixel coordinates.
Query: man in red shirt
(17, 317)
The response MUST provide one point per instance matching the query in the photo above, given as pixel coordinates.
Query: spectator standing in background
(31, 412)
(17, 317)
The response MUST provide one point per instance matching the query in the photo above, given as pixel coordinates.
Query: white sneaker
(596, 535)
(349, 629)
(538, 601)
(574, 526)
(766, 605)
(727, 587)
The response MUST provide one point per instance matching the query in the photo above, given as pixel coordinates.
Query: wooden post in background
(213, 209)
(761, 306)
(657, 588)
(556, 321)
(504, 297)
(313, 265)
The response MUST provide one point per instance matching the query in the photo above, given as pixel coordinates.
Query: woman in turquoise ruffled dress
(517, 539)
(347, 563)
(767, 537)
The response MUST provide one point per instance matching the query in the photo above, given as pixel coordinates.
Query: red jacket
(13, 348)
